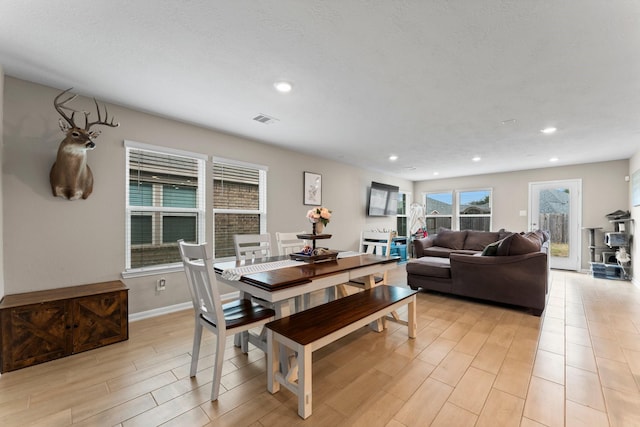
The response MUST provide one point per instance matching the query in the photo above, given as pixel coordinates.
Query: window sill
(151, 271)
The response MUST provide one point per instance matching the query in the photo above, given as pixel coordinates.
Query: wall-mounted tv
(383, 200)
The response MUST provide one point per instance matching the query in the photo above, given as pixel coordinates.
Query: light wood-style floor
(472, 364)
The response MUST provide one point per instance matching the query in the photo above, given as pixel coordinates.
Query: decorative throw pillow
(518, 244)
(502, 233)
(534, 236)
(450, 239)
(491, 249)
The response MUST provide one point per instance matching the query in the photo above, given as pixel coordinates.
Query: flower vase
(317, 228)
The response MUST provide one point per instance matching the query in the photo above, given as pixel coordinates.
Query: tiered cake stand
(318, 254)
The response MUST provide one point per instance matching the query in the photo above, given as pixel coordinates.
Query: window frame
(451, 216)
(262, 199)
(459, 215)
(407, 198)
(456, 216)
(199, 210)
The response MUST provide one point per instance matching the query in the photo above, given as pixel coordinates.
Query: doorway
(555, 206)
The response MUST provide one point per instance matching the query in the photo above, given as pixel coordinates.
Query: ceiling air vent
(263, 118)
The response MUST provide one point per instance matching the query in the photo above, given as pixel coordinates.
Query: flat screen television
(383, 200)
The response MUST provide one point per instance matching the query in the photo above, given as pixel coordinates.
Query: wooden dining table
(281, 285)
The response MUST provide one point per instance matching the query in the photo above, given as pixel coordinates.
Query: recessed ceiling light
(282, 86)
(393, 157)
(549, 130)
(476, 158)
(436, 173)
(553, 159)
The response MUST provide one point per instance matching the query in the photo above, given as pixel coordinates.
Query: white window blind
(165, 202)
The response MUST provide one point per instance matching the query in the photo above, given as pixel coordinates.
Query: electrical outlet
(161, 285)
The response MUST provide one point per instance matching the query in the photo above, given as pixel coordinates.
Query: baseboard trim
(176, 307)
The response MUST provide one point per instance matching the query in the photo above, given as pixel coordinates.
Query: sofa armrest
(420, 245)
(515, 279)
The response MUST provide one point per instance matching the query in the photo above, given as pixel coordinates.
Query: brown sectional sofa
(504, 267)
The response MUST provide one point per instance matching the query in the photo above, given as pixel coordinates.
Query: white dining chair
(289, 243)
(252, 246)
(236, 317)
(377, 243)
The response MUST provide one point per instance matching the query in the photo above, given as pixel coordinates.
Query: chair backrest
(252, 246)
(198, 266)
(289, 243)
(376, 242)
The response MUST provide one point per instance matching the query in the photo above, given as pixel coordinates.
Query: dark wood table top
(305, 272)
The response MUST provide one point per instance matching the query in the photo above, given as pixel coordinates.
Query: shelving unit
(608, 267)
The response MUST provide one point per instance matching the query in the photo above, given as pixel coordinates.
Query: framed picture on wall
(312, 188)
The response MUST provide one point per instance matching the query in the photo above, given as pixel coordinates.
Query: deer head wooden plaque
(70, 175)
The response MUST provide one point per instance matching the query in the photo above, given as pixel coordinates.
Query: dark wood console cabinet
(39, 326)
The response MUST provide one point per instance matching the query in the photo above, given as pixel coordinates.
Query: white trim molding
(176, 307)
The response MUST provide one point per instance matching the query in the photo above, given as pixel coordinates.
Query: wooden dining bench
(312, 329)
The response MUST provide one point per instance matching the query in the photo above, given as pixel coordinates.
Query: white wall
(2, 290)
(604, 190)
(51, 242)
(634, 166)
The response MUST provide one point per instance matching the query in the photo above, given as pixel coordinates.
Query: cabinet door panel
(99, 320)
(35, 334)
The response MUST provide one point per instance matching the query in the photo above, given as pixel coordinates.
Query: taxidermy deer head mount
(70, 175)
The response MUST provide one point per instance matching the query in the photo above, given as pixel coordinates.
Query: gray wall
(634, 166)
(604, 190)
(50, 242)
(2, 289)
(54, 243)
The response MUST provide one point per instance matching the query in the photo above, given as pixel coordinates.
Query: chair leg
(245, 341)
(217, 367)
(330, 294)
(195, 352)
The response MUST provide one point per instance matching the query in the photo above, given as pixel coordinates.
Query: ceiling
(435, 82)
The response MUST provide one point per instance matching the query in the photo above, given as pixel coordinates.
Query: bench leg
(304, 381)
(273, 363)
(412, 324)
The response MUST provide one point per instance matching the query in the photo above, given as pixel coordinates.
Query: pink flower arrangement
(319, 214)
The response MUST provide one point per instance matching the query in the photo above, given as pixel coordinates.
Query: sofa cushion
(464, 251)
(477, 240)
(430, 266)
(450, 239)
(491, 249)
(518, 244)
(437, 251)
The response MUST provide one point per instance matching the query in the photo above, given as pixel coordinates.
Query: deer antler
(60, 107)
(88, 124)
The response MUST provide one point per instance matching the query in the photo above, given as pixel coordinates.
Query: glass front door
(555, 207)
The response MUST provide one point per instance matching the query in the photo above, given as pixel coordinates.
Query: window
(439, 211)
(239, 203)
(474, 210)
(165, 202)
(401, 220)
